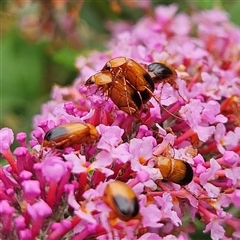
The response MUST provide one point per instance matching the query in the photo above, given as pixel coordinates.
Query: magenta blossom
(55, 193)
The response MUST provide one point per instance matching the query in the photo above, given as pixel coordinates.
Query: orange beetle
(68, 134)
(125, 97)
(102, 78)
(122, 94)
(174, 170)
(134, 73)
(122, 200)
(163, 73)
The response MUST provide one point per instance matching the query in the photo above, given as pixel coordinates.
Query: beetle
(122, 94)
(68, 134)
(174, 170)
(134, 73)
(163, 73)
(125, 97)
(102, 78)
(122, 200)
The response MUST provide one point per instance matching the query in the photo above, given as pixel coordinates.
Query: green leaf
(66, 57)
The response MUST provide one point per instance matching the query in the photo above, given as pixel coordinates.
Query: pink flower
(6, 139)
(31, 189)
(149, 236)
(151, 216)
(210, 173)
(216, 228)
(165, 203)
(33, 210)
(230, 157)
(211, 113)
(164, 14)
(233, 174)
(111, 136)
(53, 168)
(193, 119)
(236, 197)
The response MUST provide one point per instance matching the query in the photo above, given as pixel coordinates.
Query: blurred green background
(41, 39)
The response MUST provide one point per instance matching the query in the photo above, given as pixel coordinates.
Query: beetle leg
(152, 94)
(120, 75)
(52, 146)
(126, 95)
(159, 101)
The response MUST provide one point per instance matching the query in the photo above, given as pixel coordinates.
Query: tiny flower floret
(31, 187)
(79, 162)
(111, 137)
(230, 157)
(210, 173)
(38, 210)
(25, 234)
(236, 197)
(5, 208)
(53, 168)
(20, 222)
(6, 139)
(26, 175)
(152, 216)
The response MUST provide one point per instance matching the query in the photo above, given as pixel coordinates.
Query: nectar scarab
(174, 170)
(122, 200)
(124, 96)
(100, 78)
(163, 73)
(134, 73)
(68, 134)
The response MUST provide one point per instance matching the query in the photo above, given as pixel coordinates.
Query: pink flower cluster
(59, 196)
